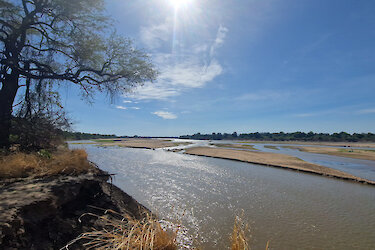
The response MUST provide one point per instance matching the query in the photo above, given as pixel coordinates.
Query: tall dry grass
(125, 232)
(18, 165)
(239, 237)
(128, 233)
(239, 240)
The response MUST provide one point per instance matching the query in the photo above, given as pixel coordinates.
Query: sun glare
(180, 3)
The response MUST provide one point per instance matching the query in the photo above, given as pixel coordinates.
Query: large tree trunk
(7, 95)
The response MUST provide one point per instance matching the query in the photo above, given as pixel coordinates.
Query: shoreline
(276, 161)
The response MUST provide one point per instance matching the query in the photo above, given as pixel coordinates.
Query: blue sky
(245, 66)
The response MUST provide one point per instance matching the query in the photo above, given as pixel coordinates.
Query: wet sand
(343, 152)
(273, 160)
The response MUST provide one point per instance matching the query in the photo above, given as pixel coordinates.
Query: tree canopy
(58, 41)
(281, 136)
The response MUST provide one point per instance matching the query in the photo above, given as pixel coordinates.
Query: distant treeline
(296, 136)
(84, 136)
(87, 136)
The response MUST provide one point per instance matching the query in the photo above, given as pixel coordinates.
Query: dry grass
(18, 165)
(126, 232)
(239, 240)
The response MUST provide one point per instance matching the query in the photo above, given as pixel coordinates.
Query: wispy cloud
(155, 35)
(195, 67)
(264, 95)
(127, 101)
(220, 37)
(125, 108)
(121, 107)
(302, 115)
(165, 114)
(367, 111)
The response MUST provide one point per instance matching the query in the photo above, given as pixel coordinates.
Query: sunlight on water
(290, 209)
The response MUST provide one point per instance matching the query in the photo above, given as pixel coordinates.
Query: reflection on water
(291, 209)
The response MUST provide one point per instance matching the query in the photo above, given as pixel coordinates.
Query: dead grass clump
(128, 233)
(20, 165)
(239, 240)
(68, 162)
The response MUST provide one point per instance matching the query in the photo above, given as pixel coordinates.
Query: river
(292, 210)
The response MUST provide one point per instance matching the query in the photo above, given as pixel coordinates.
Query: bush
(35, 134)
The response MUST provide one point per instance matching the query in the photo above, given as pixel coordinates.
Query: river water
(292, 210)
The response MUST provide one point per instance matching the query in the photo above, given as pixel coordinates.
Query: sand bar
(273, 160)
(334, 144)
(343, 152)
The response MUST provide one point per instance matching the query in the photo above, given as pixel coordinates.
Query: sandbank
(273, 160)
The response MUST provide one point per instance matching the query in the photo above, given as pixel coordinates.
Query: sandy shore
(273, 160)
(343, 152)
(141, 143)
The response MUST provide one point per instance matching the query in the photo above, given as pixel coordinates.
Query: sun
(180, 3)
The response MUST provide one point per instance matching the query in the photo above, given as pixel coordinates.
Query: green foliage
(296, 136)
(84, 136)
(70, 40)
(35, 133)
(45, 153)
(45, 43)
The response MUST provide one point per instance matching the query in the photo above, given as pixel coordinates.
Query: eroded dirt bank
(43, 213)
(273, 160)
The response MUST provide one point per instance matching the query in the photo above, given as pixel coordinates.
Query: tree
(62, 41)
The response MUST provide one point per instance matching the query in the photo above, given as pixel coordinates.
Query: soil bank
(45, 213)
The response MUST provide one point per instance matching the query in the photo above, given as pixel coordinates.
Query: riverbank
(50, 200)
(273, 160)
(46, 212)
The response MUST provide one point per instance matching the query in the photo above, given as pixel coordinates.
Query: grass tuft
(20, 165)
(125, 232)
(239, 240)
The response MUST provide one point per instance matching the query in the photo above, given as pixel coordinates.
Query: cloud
(264, 95)
(154, 91)
(126, 101)
(165, 114)
(195, 67)
(121, 107)
(306, 115)
(367, 111)
(191, 74)
(155, 35)
(220, 36)
(125, 108)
